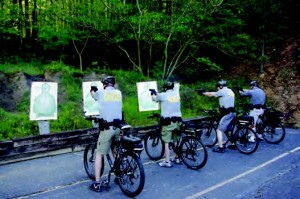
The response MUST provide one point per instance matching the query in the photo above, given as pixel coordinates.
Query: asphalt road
(273, 171)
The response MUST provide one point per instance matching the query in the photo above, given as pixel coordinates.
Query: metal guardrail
(27, 147)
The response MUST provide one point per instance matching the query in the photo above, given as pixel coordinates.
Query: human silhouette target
(43, 101)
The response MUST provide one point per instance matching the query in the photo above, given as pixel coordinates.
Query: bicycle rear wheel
(273, 133)
(130, 174)
(89, 156)
(154, 146)
(246, 140)
(193, 152)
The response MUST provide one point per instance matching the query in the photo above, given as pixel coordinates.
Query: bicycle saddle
(124, 126)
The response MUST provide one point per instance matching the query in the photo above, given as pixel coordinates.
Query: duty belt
(225, 111)
(167, 120)
(257, 106)
(106, 125)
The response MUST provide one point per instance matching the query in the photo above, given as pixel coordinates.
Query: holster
(115, 123)
(103, 125)
(225, 111)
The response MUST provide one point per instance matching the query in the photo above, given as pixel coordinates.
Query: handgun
(200, 91)
(94, 88)
(153, 91)
(238, 88)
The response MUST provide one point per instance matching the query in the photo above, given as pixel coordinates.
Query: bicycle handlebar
(154, 115)
(211, 112)
(92, 118)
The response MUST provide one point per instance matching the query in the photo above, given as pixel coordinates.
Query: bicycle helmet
(221, 83)
(109, 80)
(254, 83)
(168, 85)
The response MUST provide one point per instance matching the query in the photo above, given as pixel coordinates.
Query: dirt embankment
(280, 79)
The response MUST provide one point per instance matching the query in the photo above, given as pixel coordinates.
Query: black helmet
(109, 80)
(254, 83)
(168, 85)
(221, 83)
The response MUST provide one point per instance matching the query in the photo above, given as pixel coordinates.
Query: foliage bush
(16, 125)
(31, 68)
(70, 115)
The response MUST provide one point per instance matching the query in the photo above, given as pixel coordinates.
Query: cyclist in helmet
(226, 100)
(257, 101)
(108, 81)
(110, 110)
(171, 119)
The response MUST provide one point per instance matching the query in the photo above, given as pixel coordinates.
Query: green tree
(173, 34)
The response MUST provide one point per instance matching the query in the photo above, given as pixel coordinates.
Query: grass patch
(70, 109)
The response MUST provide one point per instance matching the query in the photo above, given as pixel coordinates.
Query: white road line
(68, 185)
(196, 195)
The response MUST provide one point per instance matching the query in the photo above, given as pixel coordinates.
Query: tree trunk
(34, 22)
(20, 24)
(27, 23)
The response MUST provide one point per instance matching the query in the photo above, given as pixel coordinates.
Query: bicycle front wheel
(154, 146)
(208, 135)
(273, 133)
(193, 152)
(246, 140)
(89, 156)
(130, 174)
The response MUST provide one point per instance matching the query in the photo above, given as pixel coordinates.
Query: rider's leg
(167, 138)
(167, 152)
(98, 165)
(114, 141)
(220, 138)
(220, 149)
(255, 113)
(175, 136)
(224, 125)
(96, 186)
(103, 147)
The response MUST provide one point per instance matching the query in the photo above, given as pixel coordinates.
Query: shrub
(70, 111)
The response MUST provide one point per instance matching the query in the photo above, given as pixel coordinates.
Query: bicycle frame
(240, 132)
(127, 165)
(182, 134)
(238, 122)
(188, 147)
(270, 126)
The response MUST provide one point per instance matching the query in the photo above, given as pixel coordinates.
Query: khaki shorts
(226, 122)
(105, 139)
(166, 132)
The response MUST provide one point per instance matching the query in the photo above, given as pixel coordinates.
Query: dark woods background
(152, 37)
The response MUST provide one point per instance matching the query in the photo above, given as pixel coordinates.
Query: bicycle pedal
(105, 183)
(105, 186)
(171, 145)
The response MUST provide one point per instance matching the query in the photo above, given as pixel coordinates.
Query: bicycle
(127, 166)
(190, 150)
(239, 132)
(269, 125)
